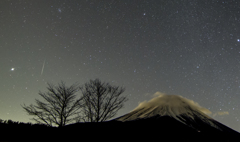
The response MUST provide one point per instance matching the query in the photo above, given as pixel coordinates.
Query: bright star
(238, 40)
(12, 69)
(59, 10)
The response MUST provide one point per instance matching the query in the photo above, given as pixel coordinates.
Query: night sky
(182, 47)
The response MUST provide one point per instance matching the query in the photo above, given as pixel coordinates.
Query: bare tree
(101, 101)
(60, 107)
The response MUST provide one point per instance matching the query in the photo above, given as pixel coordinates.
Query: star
(12, 69)
(238, 40)
(59, 10)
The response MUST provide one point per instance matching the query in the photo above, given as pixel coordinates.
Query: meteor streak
(43, 67)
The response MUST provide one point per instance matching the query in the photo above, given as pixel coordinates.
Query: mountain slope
(169, 111)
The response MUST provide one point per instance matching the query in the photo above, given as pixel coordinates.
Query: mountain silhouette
(178, 118)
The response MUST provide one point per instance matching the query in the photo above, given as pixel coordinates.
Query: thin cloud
(221, 113)
(162, 99)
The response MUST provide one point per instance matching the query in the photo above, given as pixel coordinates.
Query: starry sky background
(183, 47)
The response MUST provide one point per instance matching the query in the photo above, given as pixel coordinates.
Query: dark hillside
(139, 130)
(13, 131)
(165, 128)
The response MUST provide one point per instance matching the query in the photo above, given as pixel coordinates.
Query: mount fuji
(176, 117)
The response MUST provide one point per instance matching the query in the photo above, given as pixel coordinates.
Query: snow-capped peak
(171, 105)
(177, 107)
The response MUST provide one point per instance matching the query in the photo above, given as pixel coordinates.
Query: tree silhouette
(60, 106)
(101, 101)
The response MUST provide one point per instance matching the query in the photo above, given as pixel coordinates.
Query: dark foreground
(165, 130)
